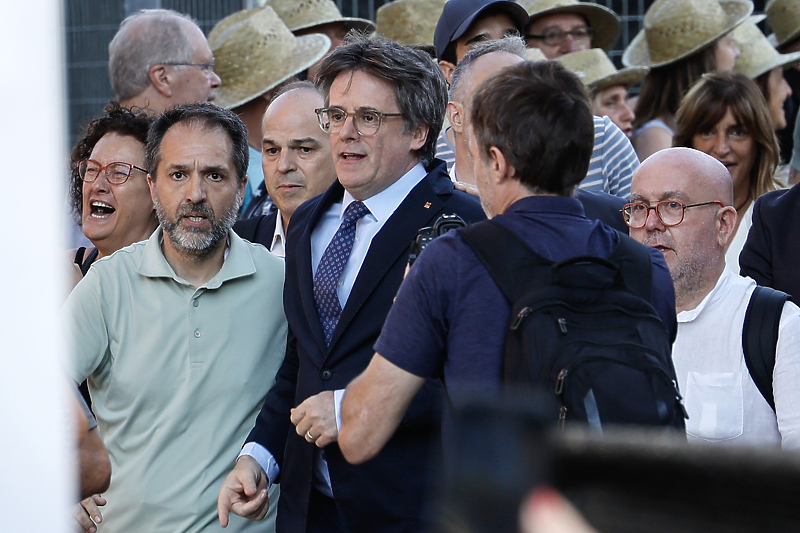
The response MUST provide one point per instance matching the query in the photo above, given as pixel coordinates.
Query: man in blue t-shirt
(531, 134)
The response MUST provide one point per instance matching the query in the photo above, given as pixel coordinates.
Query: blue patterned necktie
(331, 265)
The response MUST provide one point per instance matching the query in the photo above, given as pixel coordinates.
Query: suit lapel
(391, 242)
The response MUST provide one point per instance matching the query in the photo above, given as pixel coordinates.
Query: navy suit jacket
(260, 229)
(604, 207)
(387, 493)
(772, 250)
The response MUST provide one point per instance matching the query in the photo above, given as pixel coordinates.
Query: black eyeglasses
(207, 68)
(555, 37)
(670, 212)
(116, 172)
(367, 122)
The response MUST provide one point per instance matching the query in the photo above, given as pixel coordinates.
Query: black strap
(760, 337)
(515, 267)
(84, 264)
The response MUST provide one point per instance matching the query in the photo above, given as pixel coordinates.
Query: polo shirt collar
(237, 264)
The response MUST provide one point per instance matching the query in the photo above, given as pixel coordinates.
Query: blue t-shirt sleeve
(664, 293)
(415, 332)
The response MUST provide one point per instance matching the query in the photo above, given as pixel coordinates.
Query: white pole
(36, 437)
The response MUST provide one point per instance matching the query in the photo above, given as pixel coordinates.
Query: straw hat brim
(638, 53)
(780, 60)
(791, 37)
(362, 25)
(307, 50)
(628, 77)
(602, 20)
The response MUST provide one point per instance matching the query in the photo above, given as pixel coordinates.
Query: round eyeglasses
(116, 172)
(367, 122)
(670, 212)
(556, 37)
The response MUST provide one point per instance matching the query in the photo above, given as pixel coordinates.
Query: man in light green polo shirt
(180, 336)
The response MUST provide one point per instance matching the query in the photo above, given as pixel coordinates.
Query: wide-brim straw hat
(409, 22)
(758, 55)
(675, 29)
(602, 20)
(597, 71)
(303, 14)
(258, 53)
(783, 17)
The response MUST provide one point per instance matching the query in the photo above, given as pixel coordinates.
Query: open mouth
(100, 209)
(350, 156)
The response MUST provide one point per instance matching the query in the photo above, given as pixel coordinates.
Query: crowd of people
(250, 333)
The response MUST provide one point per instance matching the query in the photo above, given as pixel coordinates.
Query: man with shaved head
(681, 204)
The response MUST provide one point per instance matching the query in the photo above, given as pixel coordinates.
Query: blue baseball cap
(458, 16)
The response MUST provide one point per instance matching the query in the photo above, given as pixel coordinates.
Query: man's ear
(499, 166)
(455, 114)
(447, 69)
(160, 79)
(726, 222)
(419, 136)
(152, 185)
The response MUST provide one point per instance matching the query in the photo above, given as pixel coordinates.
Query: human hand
(244, 492)
(315, 419)
(467, 188)
(547, 511)
(87, 513)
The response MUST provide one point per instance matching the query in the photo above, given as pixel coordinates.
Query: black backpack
(584, 329)
(760, 337)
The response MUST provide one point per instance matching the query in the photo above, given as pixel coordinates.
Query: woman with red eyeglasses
(108, 185)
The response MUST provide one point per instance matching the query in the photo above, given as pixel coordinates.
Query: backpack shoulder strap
(508, 259)
(760, 337)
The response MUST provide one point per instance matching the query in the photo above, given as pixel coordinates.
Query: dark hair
(419, 86)
(539, 116)
(116, 119)
(209, 116)
(664, 87)
(706, 104)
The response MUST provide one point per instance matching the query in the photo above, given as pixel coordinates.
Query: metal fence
(90, 26)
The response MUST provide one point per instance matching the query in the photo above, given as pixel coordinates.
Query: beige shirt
(177, 376)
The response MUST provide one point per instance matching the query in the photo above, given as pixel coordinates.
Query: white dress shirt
(723, 402)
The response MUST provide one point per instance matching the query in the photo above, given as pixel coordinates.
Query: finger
(224, 504)
(90, 506)
(84, 522)
(297, 414)
(253, 507)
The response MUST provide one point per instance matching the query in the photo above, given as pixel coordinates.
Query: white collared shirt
(723, 402)
(278, 247)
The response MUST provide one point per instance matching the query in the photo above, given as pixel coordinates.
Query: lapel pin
(427, 205)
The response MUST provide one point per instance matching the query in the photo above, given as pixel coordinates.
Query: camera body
(442, 225)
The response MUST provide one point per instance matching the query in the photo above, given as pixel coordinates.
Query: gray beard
(195, 241)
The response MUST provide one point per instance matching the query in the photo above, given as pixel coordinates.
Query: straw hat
(603, 21)
(300, 15)
(597, 72)
(675, 29)
(758, 55)
(258, 53)
(534, 54)
(409, 22)
(783, 16)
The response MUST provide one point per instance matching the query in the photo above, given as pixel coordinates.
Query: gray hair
(296, 85)
(419, 86)
(513, 45)
(144, 39)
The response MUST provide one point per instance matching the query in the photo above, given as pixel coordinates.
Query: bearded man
(176, 383)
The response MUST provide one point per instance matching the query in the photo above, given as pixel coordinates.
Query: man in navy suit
(345, 258)
(296, 159)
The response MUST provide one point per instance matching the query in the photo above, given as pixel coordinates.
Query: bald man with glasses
(682, 205)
